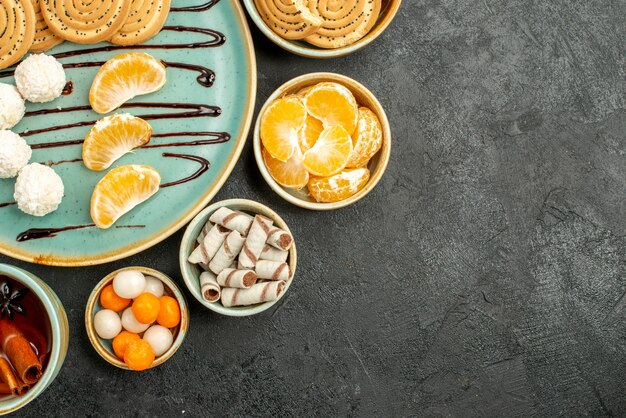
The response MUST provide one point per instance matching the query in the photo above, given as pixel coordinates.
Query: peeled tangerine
(120, 191)
(112, 137)
(340, 186)
(367, 139)
(333, 104)
(291, 173)
(123, 77)
(280, 127)
(330, 153)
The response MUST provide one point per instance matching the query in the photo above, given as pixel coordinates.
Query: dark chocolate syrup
(204, 167)
(218, 138)
(4, 205)
(39, 233)
(68, 88)
(53, 163)
(198, 8)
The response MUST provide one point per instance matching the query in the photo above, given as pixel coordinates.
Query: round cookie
(145, 20)
(44, 37)
(17, 30)
(85, 21)
(344, 22)
(290, 19)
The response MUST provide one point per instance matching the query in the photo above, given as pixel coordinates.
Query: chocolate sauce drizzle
(198, 8)
(68, 88)
(204, 167)
(39, 233)
(4, 205)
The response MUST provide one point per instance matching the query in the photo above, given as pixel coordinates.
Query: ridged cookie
(291, 19)
(85, 21)
(145, 20)
(17, 30)
(44, 37)
(344, 21)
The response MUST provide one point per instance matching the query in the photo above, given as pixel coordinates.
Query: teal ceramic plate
(211, 77)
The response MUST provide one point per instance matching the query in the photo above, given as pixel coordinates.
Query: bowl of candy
(34, 337)
(238, 257)
(136, 318)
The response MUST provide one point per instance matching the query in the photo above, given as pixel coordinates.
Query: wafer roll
(279, 238)
(210, 244)
(255, 241)
(259, 293)
(273, 254)
(242, 279)
(235, 221)
(205, 230)
(272, 270)
(228, 251)
(209, 288)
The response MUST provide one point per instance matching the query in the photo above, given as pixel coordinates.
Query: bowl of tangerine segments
(322, 141)
(136, 318)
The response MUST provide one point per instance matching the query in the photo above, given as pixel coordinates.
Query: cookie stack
(38, 25)
(323, 23)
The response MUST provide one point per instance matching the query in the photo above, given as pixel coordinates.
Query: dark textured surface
(486, 274)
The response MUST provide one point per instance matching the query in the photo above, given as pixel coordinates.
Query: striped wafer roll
(236, 278)
(205, 230)
(291, 19)
(235, 221)
(212, 242)
(85, 21)
(273, 254)
(44, 37)
(259, 293)
(145, 20)
(343, 21)
(272, 270)
(17, 30)
(227, 252)
(255, 241)
(209, 288)
(279, 238)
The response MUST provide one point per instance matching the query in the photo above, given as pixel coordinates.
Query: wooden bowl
(377, 165)
(191, 272)
(104, 347)
(304, 49)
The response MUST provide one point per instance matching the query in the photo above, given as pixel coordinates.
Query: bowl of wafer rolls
(322, 28)
(238, 257)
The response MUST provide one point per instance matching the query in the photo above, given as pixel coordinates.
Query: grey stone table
(485, 275)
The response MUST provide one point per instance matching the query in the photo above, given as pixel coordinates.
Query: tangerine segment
(333, 104)
(169, 314)
(330, 153)
(123, 77)
(112, 137)
(310, 132)
(146, 308)
(120, 190)
(367, 139)
(138, 355)
(280, 126)
(291, 174)
(340, 186)
(110, 300)
(120, 342)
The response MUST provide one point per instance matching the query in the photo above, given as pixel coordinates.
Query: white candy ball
(129, 284)
(154, 286)
(159, 338)
(107, 324)
(40, 78)
(130, 323)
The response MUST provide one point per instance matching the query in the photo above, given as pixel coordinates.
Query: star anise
(9, 300)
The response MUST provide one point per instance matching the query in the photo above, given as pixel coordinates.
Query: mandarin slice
(367, 139)
(112, 137)
(340, 186)
(120, 190)
(146, 308)
(169, 313)
(310, 133)
(291, 173)
(123, 77)
(330, 153)
(333, 104)
(280, 126)
(120, 342)
(138, 355)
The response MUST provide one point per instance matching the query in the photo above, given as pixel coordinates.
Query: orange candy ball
(146, 308)
(138, 355)
(121, 341)
(110, 300)
(169, 314)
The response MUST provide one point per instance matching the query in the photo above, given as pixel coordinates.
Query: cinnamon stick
(20, 353)
(8, 377)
